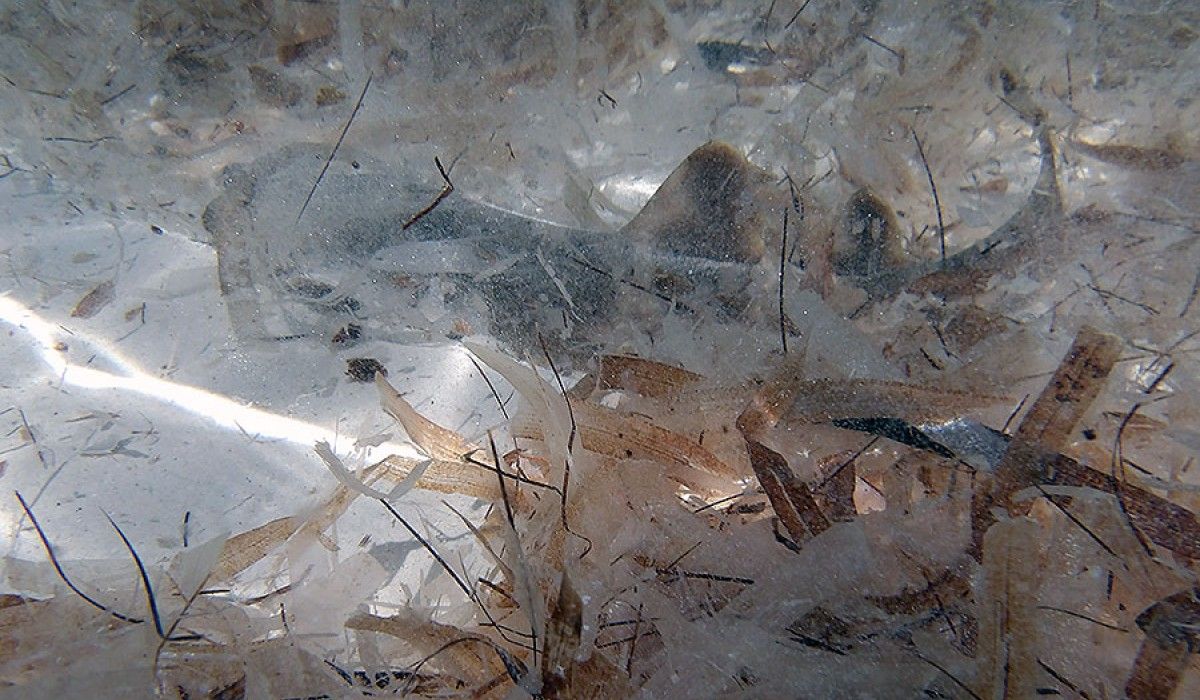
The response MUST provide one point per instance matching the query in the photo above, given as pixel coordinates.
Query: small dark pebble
(156, 229)
(1089, 434)
(363, 369)
(310, 289)
(348, 332)
(1008, 83)
(347, 305)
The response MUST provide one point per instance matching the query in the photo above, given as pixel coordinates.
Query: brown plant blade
(436, 441)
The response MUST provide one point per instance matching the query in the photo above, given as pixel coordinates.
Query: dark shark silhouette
(688, 251)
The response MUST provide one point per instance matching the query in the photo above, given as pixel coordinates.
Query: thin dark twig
(767, 16)
(503, 411)
(782, 269)
(510, 630)
(1119, 481)
(706, 576)
(1183, 340)
(942, 340)
(796, 16)
(73, 139)
(681, 557)
(471, 594)
(32, 439)
(1013, 415)
(499, 590)
(1079, 524)
(1059, 677)
(519, 478)
(1107, 294)
(169, 635)
(1159, 379)
(931, 586)
(937, 201)
(561, 387)
(618, 642)
(474, 530)
(848, 462)
(624, 623)
(150, 601)
(1070, 87)
(949, 675)
(117, 96)
(424, 543)
(797, 203)
(512, 523)
(336, 146)
(941, 606)
(1081, 616)
(340, 671)
(882, 45)
(641, 288)
(514, 667)
(447, 188)
(62, 574)
(633, 643)
(508, 511)
(718, 502)
(570, 446)
(771, 49)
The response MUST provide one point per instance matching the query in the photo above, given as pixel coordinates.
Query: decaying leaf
(1044, 429)
(1008, 632)
(825, 400)
(467, 662)
(1133, 157)
(436, 441)
(643, 377)
(243, 550)
(791, 498)
(95, 300)
(562, 641)
(616, 434)
(1171, 628)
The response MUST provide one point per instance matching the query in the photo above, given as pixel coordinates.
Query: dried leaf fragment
(827, 400)
(1133, 157)
(1047, 426)
(95, 300)
(627, 436)
(436, 441)
(790, 497)
(246, 548)
(645, 377)
(1171, 637)
(1076, 383)
(1162, 522)
(427, 637)
(562, 641)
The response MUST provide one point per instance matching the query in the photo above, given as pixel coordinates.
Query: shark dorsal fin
(706, 208)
